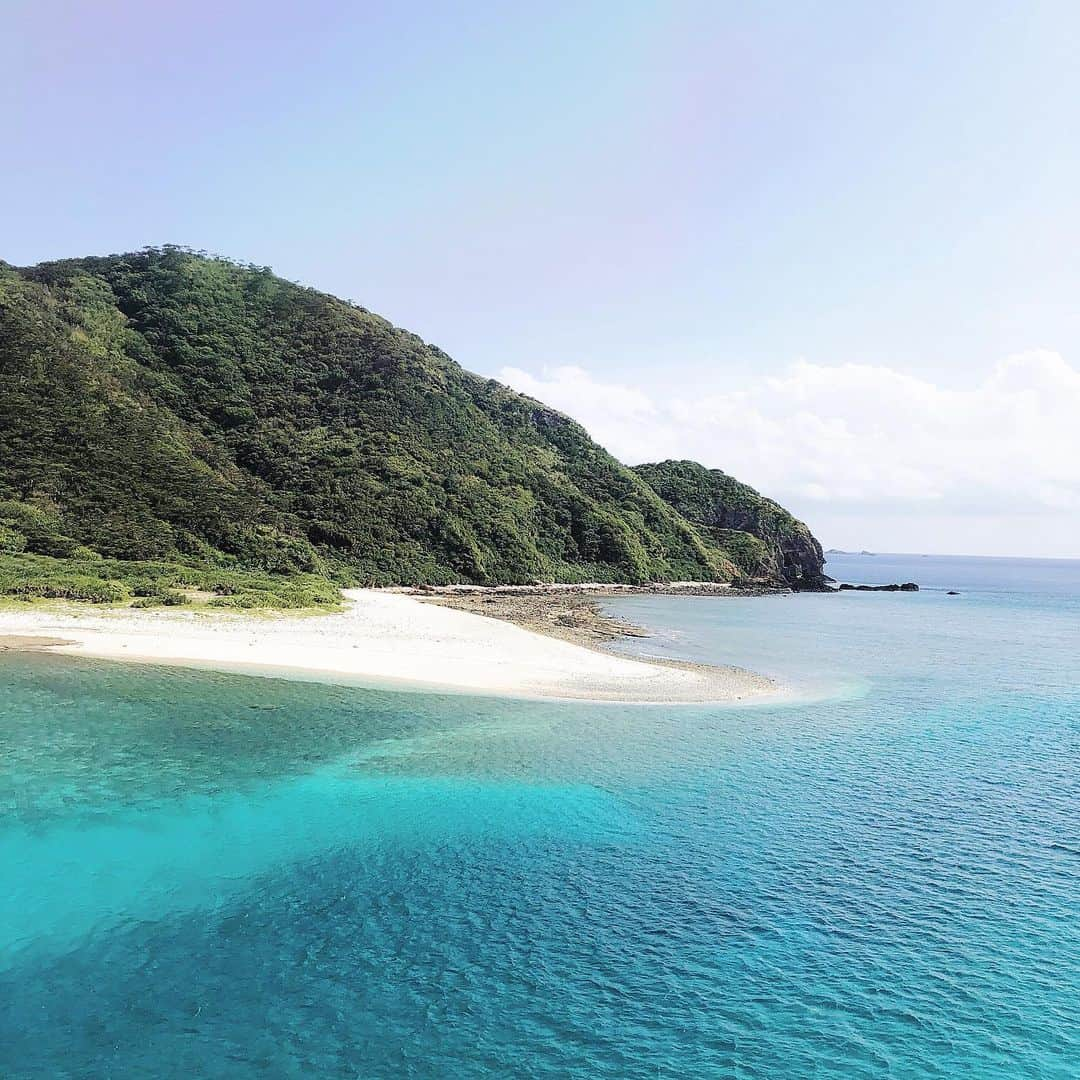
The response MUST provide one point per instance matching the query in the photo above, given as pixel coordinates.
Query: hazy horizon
(833, 252)
(948, 555)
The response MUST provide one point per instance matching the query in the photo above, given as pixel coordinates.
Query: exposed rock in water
(908, 586)
(570, 615)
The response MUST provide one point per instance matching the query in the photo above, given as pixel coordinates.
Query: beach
(383, 637)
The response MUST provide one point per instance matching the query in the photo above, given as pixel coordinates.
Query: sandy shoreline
(383, 637)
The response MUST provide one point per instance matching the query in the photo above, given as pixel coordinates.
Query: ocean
(213, 875)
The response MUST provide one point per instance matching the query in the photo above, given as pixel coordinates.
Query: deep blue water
(212, 875)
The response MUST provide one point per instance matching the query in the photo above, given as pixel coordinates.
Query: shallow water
(221, 876)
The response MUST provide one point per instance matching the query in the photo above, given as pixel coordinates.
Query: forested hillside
(759, 535)
(169, 406)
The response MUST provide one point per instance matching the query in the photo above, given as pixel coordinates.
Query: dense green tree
(760, 536)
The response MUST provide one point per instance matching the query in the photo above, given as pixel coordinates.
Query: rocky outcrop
(758, 535)
(908, 586)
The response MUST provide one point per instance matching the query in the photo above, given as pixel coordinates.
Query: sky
(832, 248)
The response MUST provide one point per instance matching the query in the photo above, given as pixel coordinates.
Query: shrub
(242, 600)
(70, 587)
(11, 540)
(162, 598)
(39, 526)
(157, 584)
(304, 596)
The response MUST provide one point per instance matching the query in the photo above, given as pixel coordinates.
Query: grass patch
(147, 584)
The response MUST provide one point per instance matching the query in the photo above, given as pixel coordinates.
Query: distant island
(173, 424)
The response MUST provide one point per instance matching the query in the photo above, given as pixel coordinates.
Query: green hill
(164, 406)
(759, 535)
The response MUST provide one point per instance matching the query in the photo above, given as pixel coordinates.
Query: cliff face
(759, 535)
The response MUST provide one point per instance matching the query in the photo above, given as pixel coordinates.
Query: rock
(908, 586)
(952, 592)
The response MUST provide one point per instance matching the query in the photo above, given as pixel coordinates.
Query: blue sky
(828, 226)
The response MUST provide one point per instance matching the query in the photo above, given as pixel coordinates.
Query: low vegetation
(145, 584)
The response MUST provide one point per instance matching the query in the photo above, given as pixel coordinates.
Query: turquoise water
(212, 875)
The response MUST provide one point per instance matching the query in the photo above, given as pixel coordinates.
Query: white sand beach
(382, 638)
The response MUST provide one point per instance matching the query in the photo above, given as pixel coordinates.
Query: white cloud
(858, 437)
